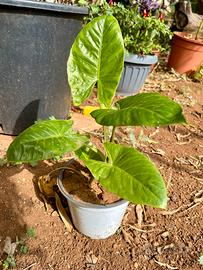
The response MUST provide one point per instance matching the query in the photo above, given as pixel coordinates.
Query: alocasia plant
(96, 57)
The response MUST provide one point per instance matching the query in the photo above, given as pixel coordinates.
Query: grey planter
(35, 41)
(135, 72)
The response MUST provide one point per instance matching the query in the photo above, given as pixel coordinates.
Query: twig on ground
(182, 143)
(51, 267)
(127, 237)
(180, 136)
(199, 179)
(29, 266)
(171, 212)
(198, 199)
(149, 225)
(165, 265)
(139, 213)
(62, 212)
(154, 133)
(191, 207)
(158, 151)
(139, 230)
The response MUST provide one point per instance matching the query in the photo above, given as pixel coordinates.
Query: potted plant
(36, 38)
(144, 33)
(186, 51)
(119, 169)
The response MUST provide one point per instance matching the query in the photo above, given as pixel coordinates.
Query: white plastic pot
(95, 221)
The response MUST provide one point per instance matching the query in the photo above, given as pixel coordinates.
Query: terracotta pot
(186, 54)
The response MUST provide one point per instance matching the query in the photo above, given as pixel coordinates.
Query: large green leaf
(89, 151)
(44, 140)
(96, 57)
(146, 109)
(130, 175)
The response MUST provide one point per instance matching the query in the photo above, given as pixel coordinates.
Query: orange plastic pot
(186, 54)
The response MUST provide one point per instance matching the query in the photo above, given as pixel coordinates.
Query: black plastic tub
(35, 41)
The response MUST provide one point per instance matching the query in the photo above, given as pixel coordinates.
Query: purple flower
(147, 5)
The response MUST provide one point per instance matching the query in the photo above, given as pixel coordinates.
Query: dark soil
(149, 239)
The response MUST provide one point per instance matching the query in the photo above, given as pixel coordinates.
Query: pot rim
(44, 6)
(141, 59)
(84, 204)
(180, 35)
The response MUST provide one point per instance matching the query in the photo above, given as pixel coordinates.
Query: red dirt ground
(170, 239)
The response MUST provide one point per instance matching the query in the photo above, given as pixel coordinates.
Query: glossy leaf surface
(130, 175)
(89, 151)
(44, 140)
(146, 109)
(96, 57)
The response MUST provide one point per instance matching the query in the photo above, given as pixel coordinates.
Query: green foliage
(146, 109)
(123, 174)
(90, 63)
(31, 232)
(194, 4)
(197, 75)
(201, 259)
(24, 249)
(122, 170)
(142, 35)
(3, 161)
(199, 29)
(44, 140)
(9, 262)
(82, 3)
(89, 151)
(20, 246)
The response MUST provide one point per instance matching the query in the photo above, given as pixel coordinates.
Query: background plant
(19, 245)
(141, 34)
(197, 76)
(146, 6)
(201, 259)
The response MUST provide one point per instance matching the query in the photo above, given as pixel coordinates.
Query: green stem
(106, 133)
(113, 134)
(106, 139)
(199, 28)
